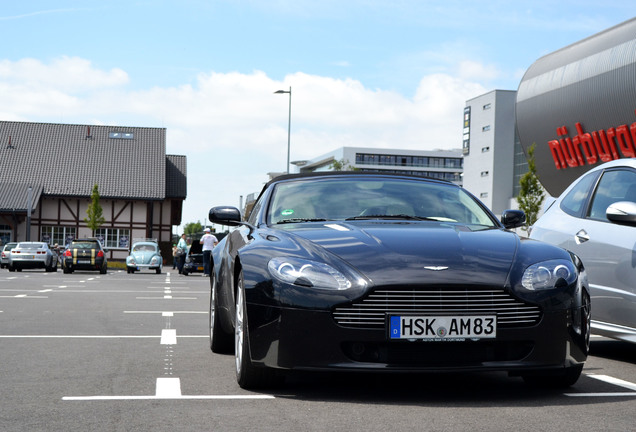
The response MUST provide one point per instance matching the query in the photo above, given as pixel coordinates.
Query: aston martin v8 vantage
(349, 271)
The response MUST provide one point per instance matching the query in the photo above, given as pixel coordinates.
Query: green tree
(192, 228)
(94, 218)
(531, 194)
(342, 165)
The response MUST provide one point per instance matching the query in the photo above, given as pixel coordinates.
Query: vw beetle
(144, 254)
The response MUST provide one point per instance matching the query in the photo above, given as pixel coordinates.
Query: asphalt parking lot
(130, 352)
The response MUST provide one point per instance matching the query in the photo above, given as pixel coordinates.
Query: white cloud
(232, 127)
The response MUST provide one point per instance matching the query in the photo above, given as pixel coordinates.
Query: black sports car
(357, 271)
(193, 259)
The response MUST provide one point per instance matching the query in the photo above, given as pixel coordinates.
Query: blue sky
(364, 73)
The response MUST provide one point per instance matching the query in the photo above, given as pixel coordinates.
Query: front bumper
(299, 339)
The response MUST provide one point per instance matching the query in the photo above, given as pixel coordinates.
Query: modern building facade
(440, 164)
(493, 158)
(48, 171)
(578, 106)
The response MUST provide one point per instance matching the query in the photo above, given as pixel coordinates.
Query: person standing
(175, 249)
(182, 250)
(208, 241)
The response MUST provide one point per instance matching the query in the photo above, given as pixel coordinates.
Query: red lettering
(611, 135)
(624, 141)
(588, 149)
(557, 154)
(600, 142)
(568, 152)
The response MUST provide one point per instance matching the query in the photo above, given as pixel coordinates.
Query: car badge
(436, 268)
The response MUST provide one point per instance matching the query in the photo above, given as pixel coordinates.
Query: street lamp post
(288, 123)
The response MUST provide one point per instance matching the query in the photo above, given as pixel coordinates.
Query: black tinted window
(575, 200)
(84, 245)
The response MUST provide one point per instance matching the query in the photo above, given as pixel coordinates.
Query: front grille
(371, 312)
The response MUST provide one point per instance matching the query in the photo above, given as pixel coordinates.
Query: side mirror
(230, 216)
(513, 218)
(622, 212)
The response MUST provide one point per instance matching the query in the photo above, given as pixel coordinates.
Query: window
(59, 235)
(484, 173)
(576, 198)
(485, 128)
(121, 135)
(614, 186)
(485, 149)
(113, 237)
(483, 195)
(487, 106)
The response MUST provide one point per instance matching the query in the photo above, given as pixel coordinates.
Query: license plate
(28, 256)
(83, 261)
(200, 268)
(443, 327)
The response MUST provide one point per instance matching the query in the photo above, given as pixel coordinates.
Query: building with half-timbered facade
(48, 171)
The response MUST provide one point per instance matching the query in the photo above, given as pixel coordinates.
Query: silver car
(4, 255)
(29, 255)
(596, 219)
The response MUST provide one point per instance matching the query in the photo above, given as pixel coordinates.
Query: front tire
(220, 341)
(248, 376)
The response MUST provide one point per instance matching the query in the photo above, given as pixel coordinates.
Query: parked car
(359, 271)
(85, 254)
(4, 255)
(144, 254)
(31, 255)
(193, 259)
(596, 219)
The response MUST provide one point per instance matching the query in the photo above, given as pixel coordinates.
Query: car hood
(143, 256)
(414, 252)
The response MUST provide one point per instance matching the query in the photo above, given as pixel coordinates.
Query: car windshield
(144, 248)
(358, 198)
(30, 246)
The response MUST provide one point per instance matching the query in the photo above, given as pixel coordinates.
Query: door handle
(581, 237)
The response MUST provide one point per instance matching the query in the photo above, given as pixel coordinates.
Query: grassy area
(117, 265)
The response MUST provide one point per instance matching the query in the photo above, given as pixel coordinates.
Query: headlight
(548, 274)
(308, 273)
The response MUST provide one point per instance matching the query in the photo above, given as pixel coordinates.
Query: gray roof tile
(14, 197)
(67, 160)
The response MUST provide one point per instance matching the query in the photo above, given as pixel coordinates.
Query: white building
(440, 164)
(493, 158)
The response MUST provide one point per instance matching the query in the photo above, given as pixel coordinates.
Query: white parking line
(190, 397)
(168, 337)
(163, 312)
(610, 380)
(615, 381)
(168, 387)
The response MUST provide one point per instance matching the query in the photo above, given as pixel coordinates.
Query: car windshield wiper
(300, 220)
(390, 217)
